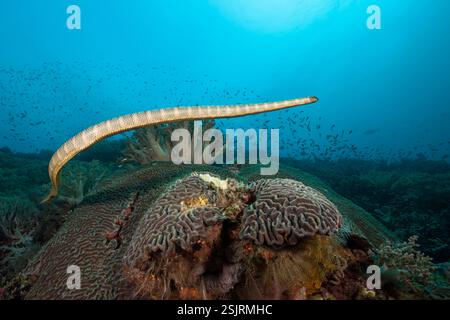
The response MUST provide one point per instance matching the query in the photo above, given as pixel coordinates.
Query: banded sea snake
(102, 130)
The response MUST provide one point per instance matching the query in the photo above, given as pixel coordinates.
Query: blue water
(137, 55)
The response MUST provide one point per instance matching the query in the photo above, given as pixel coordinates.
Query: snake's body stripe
(100, 131)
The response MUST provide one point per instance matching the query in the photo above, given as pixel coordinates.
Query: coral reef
(17, 287)
(285, 211)
(81, 179)
(154, 143)
(410, 197)
(109, 150)
(212, 262)
(159, 231)
(20, 175)
(22, 181)
(439, 288)
(404, 265)
(17, 227)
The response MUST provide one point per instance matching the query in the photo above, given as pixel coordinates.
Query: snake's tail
(53, 191)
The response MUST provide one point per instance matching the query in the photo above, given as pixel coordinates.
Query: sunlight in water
(277, 15)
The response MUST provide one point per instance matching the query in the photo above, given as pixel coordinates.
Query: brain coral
(286, 210)
(179, 217)
(178, 246)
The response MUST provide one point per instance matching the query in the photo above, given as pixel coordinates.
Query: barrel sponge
(285, 211)
(179, 218)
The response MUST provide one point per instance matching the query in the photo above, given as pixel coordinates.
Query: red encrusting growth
(121, 222)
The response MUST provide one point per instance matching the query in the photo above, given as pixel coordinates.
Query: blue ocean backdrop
(388, 86)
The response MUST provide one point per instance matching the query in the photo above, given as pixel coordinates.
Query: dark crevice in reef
(251, 194)
(215, 262)
(221, 274)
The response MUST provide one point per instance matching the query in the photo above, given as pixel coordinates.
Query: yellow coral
(193, 203)
(368, 293)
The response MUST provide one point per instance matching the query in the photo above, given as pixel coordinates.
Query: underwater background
(379, 135)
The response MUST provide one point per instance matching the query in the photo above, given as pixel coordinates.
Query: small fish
(371, 131)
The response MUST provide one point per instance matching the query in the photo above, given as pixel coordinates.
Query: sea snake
(102, 130)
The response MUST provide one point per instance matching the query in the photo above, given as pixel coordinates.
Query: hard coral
(179, 218)
(285, 211)
(403, 264)
(177, 239)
